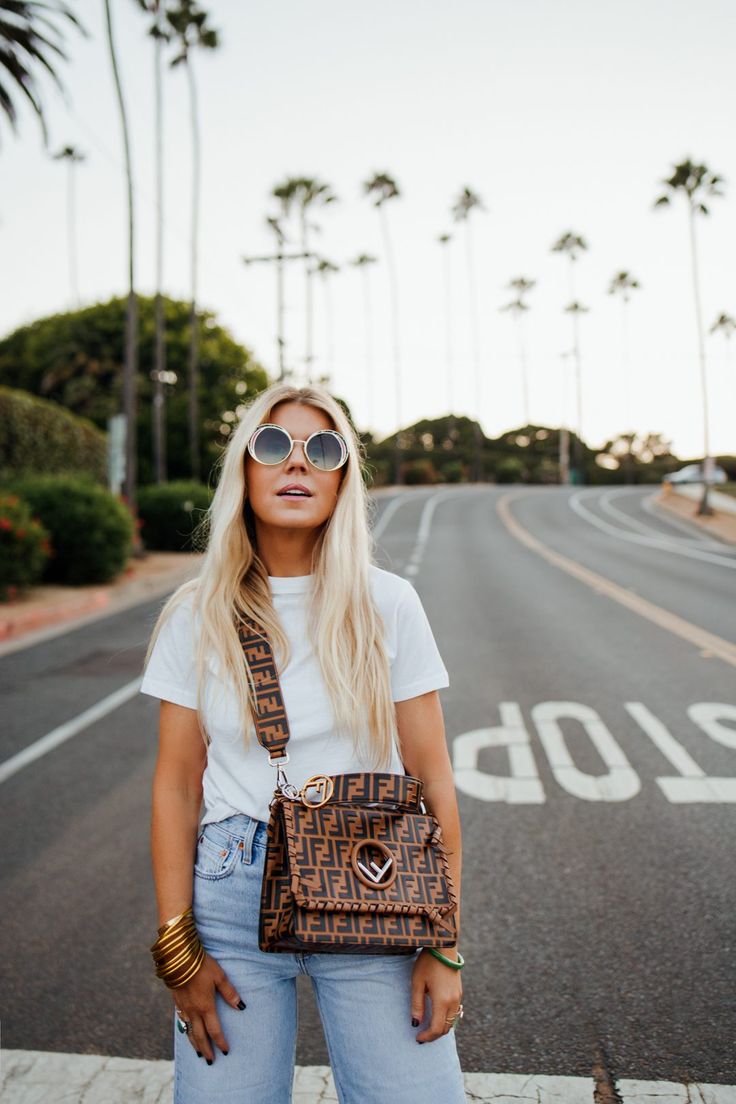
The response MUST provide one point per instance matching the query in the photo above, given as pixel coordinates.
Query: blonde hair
(345, 627)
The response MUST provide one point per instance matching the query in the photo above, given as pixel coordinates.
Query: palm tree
(724, 324)
(622, 284)
(190, 28)
(363, 262)
(130, 372)
(444, 240)
(517, 308)
(467, 202)
(572, 245)
(696, 183)
(575, 309)
(383, 188)
(303, 192)
(160, 36)
(30, 42)
(73, 157)
(325, 269)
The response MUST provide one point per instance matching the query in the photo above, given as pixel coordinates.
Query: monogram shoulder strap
(272, 725)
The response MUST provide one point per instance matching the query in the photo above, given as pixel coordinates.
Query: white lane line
(678, 626)
(653, 506)
(387, 514)
(613, 511)
(661, 544)
(425, 525)
(55, 1077)
(70, 728)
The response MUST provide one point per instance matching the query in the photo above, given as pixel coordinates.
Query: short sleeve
(170, 673)
(417, 667)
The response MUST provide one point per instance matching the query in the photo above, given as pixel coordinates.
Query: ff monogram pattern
(364, 872)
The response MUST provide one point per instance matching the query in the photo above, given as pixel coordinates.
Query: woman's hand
(444, 988)
(196, 1002)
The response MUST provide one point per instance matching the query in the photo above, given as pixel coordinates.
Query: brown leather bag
(354, 864)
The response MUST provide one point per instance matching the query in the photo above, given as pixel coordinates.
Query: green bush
(40, 436)
(91, 530)
(419, 471)
(509, 470)
(24, 547)
(170, 512)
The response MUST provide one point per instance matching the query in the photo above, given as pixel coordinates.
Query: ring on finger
(454, 1020)
(185, 1026)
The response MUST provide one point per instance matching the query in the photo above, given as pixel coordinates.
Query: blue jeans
(364, 1001)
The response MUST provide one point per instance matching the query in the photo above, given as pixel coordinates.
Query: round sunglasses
(325, 449)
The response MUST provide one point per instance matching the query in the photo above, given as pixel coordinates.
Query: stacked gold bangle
(178, 953)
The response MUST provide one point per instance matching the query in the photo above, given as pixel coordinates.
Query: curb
(721, 525)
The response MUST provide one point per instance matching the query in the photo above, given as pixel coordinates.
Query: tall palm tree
(73, 157)
(190, 28)
(160, 36)
(517, 308)
(325, 269)
(467, 202)
(31, 42)
(302, 193)
(363, 262)
(444, 240)
(572, 245)
(696, 183)
(724, 324)
(575, 309)
(622, 284)
(130, 372)
(382, 188)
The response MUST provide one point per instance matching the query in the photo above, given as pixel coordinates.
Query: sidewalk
(46, 611)
(683, 502)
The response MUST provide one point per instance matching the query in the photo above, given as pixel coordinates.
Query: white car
(693, 473)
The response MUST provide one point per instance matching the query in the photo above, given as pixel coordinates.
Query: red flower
(5, 523)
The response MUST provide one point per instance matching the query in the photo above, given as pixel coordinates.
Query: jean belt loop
(249, 831)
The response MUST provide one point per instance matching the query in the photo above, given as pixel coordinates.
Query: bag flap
(367, 860)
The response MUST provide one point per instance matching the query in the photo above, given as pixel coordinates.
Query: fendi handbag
(355, 864)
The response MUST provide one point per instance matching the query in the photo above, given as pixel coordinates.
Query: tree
(363, 262)
(131, 323)
(73, 157)
(517, 308)
(444, 240)
(191, 30)
(325, 269)
(160, 36)
(572, 245)
(724, 324)
(382, 188)
(302, 193)
(76, 360)
(467, 202)
(622, 284)
(31, 41)
(696, 183)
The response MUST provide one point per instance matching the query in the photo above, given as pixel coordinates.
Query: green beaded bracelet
(447, 961)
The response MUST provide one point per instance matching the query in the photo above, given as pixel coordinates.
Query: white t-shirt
(240, 781)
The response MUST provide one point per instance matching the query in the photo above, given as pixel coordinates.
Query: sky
(561, 114)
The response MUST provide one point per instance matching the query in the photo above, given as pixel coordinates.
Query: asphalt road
(593, 730)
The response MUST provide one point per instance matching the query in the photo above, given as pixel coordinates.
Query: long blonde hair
(345, 627)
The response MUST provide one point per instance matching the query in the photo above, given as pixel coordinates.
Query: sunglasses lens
(271, 445)
(325, 451)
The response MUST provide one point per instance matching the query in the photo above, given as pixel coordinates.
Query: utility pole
(279, 258)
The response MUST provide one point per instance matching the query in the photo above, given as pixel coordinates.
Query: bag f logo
(373, 864)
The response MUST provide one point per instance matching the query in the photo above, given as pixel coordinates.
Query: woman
(360, 673)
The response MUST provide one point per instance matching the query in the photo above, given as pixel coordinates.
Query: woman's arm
(176, 801)
(425, 756)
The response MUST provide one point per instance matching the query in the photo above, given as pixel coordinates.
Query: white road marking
(425, 525)
(523, 785)
(662, 544)
(55, 1077)
(620, 783)
(70, 728)
(678, 626)
(655, 509)
(694, 542)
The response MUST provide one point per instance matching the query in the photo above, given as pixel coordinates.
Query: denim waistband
(240, 828)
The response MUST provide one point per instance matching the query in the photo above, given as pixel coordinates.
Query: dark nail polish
(209, 1061)
(421, 1041)
(199, 1053)
(415, 1023)
(226, 1052)
(241, 1005)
